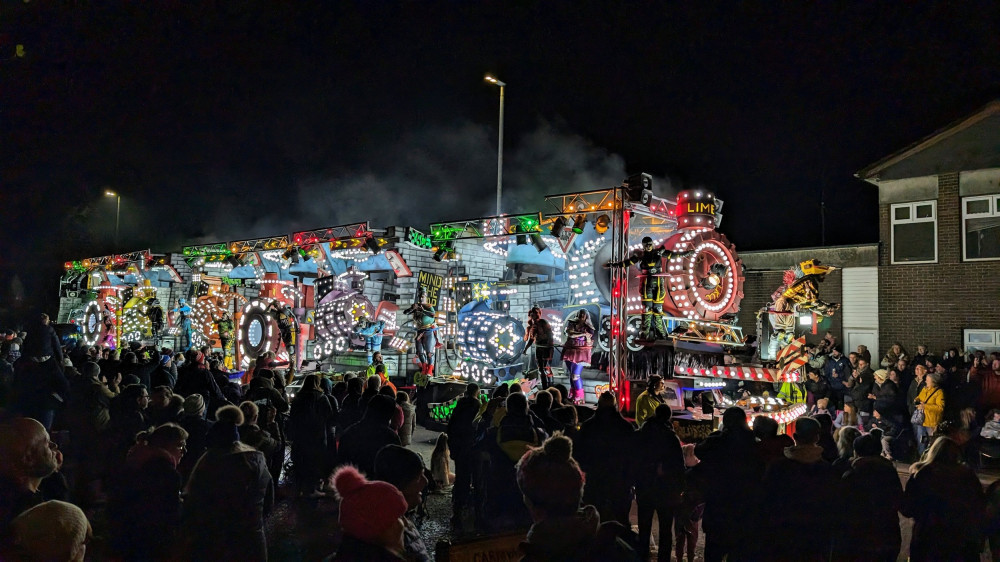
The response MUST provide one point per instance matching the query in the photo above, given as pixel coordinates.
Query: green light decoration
(219, 249)
(486, 227)
(441, 412)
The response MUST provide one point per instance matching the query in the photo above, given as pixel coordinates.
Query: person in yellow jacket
(791, 392)
(931, 401)
(648, 400)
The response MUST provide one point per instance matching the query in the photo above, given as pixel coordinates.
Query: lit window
(981, 227)
(914, 232)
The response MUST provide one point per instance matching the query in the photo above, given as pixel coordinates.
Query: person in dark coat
(826, 441)
(804, 513)
(946, 501)
(261, 389)
(461, 438)
(166, 373)
(40, 387)
(869, 504)
(128, 418)
(141, 362)
(504, 445)
(609, 484)
(229, 495)
(27, 458)
(193, 421)
(551, 485)
(816, 385)
(542, 408)
(659, 480)
(230, 390)
(144, 506)
(860, 384)
(886, 396)
(193, 377)
(363, 440)
(770, 444)
(405, 470)
(731, 462)
(351, 408)
(309, 427)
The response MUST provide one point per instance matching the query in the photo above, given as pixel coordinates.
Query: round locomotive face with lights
(492, 338)
(708, 283)
(258, 331)
(93, 325)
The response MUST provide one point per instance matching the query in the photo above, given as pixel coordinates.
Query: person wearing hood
(731, 462)
(872, 496)
(228, 496)
(885, 395)
(648, 400)
(261, 387)
(405, 470)
(659, 480)
(551, 485)
(363, 440)
(193, 377)
(310, 426)
(804, 514)
(610, 484)
(144, 505)
(506, 443)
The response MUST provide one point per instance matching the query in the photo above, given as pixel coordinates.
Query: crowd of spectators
(174, 460)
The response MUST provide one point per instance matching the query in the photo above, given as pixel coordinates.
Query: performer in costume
(424, 317)
(110, 333)
(184, 322)
(288, 328)
(651, 289)
(577, 350)
(371, 331)
(155, 313)
(540, 333)
(226, 327)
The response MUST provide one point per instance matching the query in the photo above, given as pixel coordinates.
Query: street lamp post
(496, 82)
(118, 211)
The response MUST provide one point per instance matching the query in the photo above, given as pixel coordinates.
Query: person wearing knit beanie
(194, 405)
(552, 486)
(53, 530)
(371, 516)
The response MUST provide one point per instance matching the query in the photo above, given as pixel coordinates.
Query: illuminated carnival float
(116, 299)
(655, 278)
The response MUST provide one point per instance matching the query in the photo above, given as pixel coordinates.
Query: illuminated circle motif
(707, 285)
(93, 326)
(475, 371)
(584, 273)
(203, 315)
(258, 332)
(135, 320)
(490, 337)
(632, 328)
(255, 332)
(323, 349)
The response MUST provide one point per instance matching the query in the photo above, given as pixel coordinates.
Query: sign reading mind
(430, 285)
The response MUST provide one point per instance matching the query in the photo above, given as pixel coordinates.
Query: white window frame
(913, 219)
(994, 212)
(993, 344)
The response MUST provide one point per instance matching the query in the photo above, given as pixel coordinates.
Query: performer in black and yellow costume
(650, 261)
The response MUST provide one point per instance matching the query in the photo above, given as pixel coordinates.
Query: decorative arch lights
(580, 272)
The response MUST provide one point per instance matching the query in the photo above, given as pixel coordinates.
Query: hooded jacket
(578, 537)
(872, 496)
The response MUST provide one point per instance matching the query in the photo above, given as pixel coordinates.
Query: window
(981, 340)
(914, 232)
(981, 227)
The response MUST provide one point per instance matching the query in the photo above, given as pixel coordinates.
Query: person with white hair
(53, 530)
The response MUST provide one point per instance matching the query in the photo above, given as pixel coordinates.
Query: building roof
(971, 143)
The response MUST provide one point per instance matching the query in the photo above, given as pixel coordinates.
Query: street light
(496, 82)
(118, 210)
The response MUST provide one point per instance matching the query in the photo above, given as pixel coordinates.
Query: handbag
(918, 415)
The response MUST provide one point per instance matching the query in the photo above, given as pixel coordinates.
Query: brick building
(939, 231)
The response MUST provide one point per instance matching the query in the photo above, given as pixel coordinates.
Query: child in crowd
(822, 406)
(441, 463)
(847, 417)
(992, 428)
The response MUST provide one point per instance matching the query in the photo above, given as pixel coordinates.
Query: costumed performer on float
(183, 321)
(650, 261)
(155, 314)
(288, 329)
(226, 328)
(372, 332)
(577, 351)
(540, 333)
(426, 340)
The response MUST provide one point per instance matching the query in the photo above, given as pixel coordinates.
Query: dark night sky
(217, 120)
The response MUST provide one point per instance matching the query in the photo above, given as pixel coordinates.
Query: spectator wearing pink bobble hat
(371, 515)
